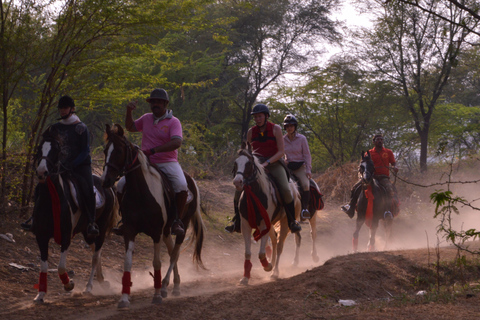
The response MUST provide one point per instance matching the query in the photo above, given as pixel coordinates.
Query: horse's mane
(262, 175)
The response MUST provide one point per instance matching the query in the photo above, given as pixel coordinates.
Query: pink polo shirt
(154, 135)
(297, 150)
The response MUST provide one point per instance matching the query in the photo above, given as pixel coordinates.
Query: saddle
(73, 194)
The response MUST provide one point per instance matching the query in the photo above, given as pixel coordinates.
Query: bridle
(131, 162)
(251, 178)
(55, 165)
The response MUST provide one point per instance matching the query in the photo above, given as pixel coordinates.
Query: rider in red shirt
(382, 159)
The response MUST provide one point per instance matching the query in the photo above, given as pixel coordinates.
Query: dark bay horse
(146, 206)
(372, 204)
(260, 209)
(58, 214)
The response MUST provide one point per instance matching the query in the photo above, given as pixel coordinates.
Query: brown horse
(146, 206)
(372, 205)
(260, 210)
(58, 214)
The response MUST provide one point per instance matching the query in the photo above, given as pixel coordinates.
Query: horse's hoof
(39, 300)
(268, 268)
(105, 285)
(274, 276)
(176, 291)
(295, 262)
(315, 258)
(123, 305)
(88, 292)
(244, 281)
(69, 286)
(157, 299)
(164, 292)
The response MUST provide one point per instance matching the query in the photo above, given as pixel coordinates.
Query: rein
(128, 166)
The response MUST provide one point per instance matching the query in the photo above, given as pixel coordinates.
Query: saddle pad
(99, 200)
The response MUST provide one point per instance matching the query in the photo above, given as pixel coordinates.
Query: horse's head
(116, 152)
(366, 168)
(49, 153)
(245, 169)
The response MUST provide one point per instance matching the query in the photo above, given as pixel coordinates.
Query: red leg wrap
(247, 267)
(264, 262)
(126, 282)
(157, 279)
(42, 283)
(64, 278)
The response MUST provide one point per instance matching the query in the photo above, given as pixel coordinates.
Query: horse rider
(267, 143)
(77, 161)
(161, 137)
(298, 159)
(382, 158)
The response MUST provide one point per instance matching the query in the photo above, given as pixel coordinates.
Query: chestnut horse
(372, 205)
(146, 206)
(58, 213)
(260, 209)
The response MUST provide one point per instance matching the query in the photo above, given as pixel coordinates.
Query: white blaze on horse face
(42, 165)
(238, 179)
(109, 154)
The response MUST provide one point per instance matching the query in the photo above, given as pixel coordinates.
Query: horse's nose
(238, 182)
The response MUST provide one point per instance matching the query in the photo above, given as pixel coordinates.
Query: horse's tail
(198, 230)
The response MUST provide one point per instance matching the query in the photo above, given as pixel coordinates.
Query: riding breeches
(277, 170)
(302, 178)
(175, 175)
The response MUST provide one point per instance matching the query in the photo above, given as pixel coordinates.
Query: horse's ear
(107, 128)
(249, 147)
(118, 129)
(244, 145)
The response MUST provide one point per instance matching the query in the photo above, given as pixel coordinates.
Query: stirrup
(388, 215)
(92, 230)
(345, 208)
(178, 228)
(305, 214)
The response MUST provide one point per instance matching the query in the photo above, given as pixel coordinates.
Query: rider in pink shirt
(161, 137)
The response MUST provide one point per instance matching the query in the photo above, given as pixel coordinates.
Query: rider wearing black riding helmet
(299, 160)
(77, 159)
(267, 142)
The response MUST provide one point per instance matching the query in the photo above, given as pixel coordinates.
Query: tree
(270, 39)
(440, 10)
(341, 109)
(20, 28)
(416, 51)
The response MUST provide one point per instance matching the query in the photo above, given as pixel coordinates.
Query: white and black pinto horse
(57, 214)
(146, 207)
(371, 205)
(260, 209)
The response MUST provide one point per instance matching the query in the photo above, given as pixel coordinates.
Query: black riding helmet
(260, 108)
(290, 119)
(158, 94)
(65, 102)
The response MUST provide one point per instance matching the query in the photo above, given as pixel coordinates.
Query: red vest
(381, 160)
(264, 143)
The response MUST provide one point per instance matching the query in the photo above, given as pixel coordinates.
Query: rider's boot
(305, 202)
(349, 208)
(27, 225)
(235, 226)
(292, 223)
(180, 201)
